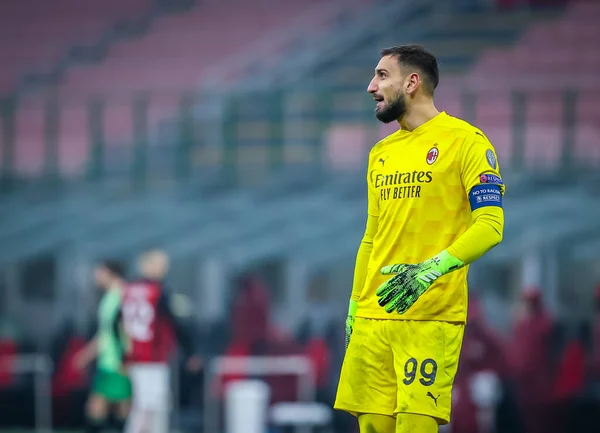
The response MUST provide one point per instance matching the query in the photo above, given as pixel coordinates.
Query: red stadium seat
(346, 146)
(493, 116)
(587, 133)
(8, 349)
(544, 129)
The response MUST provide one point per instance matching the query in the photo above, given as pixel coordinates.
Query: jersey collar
(428, 125)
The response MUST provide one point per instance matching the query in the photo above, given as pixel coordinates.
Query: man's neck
(418, 114)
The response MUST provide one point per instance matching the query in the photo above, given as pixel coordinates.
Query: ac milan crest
(432, 155)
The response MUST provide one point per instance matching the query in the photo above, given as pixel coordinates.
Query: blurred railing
(170, 137)
(255, 366)
(41, 367)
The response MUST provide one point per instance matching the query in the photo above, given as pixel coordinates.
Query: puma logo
(435, 399)
(383, 160)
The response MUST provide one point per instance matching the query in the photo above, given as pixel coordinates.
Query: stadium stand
(174, 54)
(179, 42)
(550, 54)
(167, 61)
(309, 224)
(480, 55)
(552, 57)
(493, 115)
(45, 30)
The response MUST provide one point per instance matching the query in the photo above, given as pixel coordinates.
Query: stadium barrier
(41, 367)
(300, 366)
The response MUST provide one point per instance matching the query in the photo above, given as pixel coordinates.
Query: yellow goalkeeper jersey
(422, 187)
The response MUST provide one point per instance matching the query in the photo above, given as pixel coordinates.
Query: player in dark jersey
(147, 317)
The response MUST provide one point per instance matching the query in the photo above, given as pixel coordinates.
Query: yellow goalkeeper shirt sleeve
(483, 184)
(362, 257)
(484, 234)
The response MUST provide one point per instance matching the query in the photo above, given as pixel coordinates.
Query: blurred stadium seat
(45, 30)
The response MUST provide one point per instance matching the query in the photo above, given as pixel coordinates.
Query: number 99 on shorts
(425, 371)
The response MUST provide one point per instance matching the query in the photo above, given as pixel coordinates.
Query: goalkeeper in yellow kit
(434, 206)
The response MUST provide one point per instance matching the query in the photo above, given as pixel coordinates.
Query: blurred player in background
(434, 207)
(111, 386)
(146, 313)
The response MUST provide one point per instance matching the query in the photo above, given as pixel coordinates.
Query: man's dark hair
(419, 58)
(115, 267)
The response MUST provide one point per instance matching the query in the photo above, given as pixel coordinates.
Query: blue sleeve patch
(485, 195)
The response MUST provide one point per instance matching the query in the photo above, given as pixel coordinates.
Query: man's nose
(372, 87)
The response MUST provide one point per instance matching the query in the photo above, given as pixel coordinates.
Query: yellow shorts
(400, 366)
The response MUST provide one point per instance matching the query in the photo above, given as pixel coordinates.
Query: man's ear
(413, 82)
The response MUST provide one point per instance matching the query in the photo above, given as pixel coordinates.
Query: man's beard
(393, 111)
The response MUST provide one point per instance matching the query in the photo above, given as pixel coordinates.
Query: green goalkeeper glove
(411, 281)
(350, 320)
